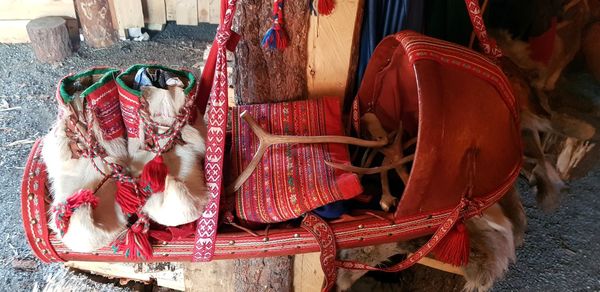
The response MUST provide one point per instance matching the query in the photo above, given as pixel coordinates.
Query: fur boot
(165, 142)
(87, 136)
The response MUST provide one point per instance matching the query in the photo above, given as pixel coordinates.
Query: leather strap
(326, 239)
(488, 45)
(206, 230)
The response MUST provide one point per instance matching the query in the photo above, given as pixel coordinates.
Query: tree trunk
(96, 22)
(49, 38)
(261, 76)
(266, 75)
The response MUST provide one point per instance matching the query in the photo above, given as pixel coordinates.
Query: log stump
(96, 23)
(49, 38)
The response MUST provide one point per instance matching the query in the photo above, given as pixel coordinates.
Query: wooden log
(96, 23)
(49, 38)
(266, 75)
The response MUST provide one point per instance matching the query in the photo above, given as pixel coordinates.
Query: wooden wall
(153, 14)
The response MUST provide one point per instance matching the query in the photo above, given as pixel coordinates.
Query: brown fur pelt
(493, 238)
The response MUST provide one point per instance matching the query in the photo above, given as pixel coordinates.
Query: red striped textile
(291, 180)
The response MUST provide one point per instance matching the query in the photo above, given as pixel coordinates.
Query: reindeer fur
(493, 238)
(88, 229)
(185, 192)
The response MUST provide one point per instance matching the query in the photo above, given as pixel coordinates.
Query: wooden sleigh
(468, 154)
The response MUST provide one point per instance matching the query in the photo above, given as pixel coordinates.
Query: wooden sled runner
(468, 153)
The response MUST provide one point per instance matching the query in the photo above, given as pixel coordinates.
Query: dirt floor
(561, 250)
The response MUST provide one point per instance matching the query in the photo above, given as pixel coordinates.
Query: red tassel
(454, 248)
(65, 211)
(135, 244)
(325, 7)
(128, 197)
(154, 175)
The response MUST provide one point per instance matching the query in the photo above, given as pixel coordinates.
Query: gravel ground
(561, 249)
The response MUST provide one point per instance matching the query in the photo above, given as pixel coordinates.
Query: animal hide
(88, 228)
(492, 239)
(185, 193)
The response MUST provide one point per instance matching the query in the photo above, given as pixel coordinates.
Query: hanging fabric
(383, 18)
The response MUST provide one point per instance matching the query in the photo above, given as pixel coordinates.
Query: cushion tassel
(65, 210)
(154, 174)
(454, 248)
(128, 197)
(135, 243)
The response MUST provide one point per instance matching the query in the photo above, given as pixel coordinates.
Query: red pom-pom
(154, 174)
(135, 244)
(128, 197)
(454, 248)
(325, 7)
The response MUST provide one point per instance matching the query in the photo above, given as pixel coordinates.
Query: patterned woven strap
(206, 230)
(326, 239)
(488, 45)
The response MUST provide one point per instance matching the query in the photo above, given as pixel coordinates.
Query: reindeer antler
(266, 140)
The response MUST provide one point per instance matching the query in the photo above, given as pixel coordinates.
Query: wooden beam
(332, 48)
(186, 12)
(30, 9)
(13, 31)
(203, 10)
(128, 13)
(154, 12)
(308, 275)
(214, 11)
(168, 275)
(171, 9)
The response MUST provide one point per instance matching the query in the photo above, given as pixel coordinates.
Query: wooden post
(49, 38)
(96, 22)
(263, 75)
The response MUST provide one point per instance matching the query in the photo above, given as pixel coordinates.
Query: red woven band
(206, 230)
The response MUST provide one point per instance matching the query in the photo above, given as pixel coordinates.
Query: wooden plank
(168, 275)
(154, 12)
(30, 9)
(332, 48)
(308, 275)
(13, 31)
(203, 11)
(128, 13)
(186, 12)
(170, 7)
(214, 11)
(209, 277)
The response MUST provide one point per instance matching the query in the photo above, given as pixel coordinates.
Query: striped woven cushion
(291, 180)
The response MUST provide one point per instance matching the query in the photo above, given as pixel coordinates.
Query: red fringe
(154, 175)
(325, 7)
(454, 248)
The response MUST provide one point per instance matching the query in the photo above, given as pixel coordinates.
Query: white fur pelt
(185, 193)
(492, 250)
(89, 229)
